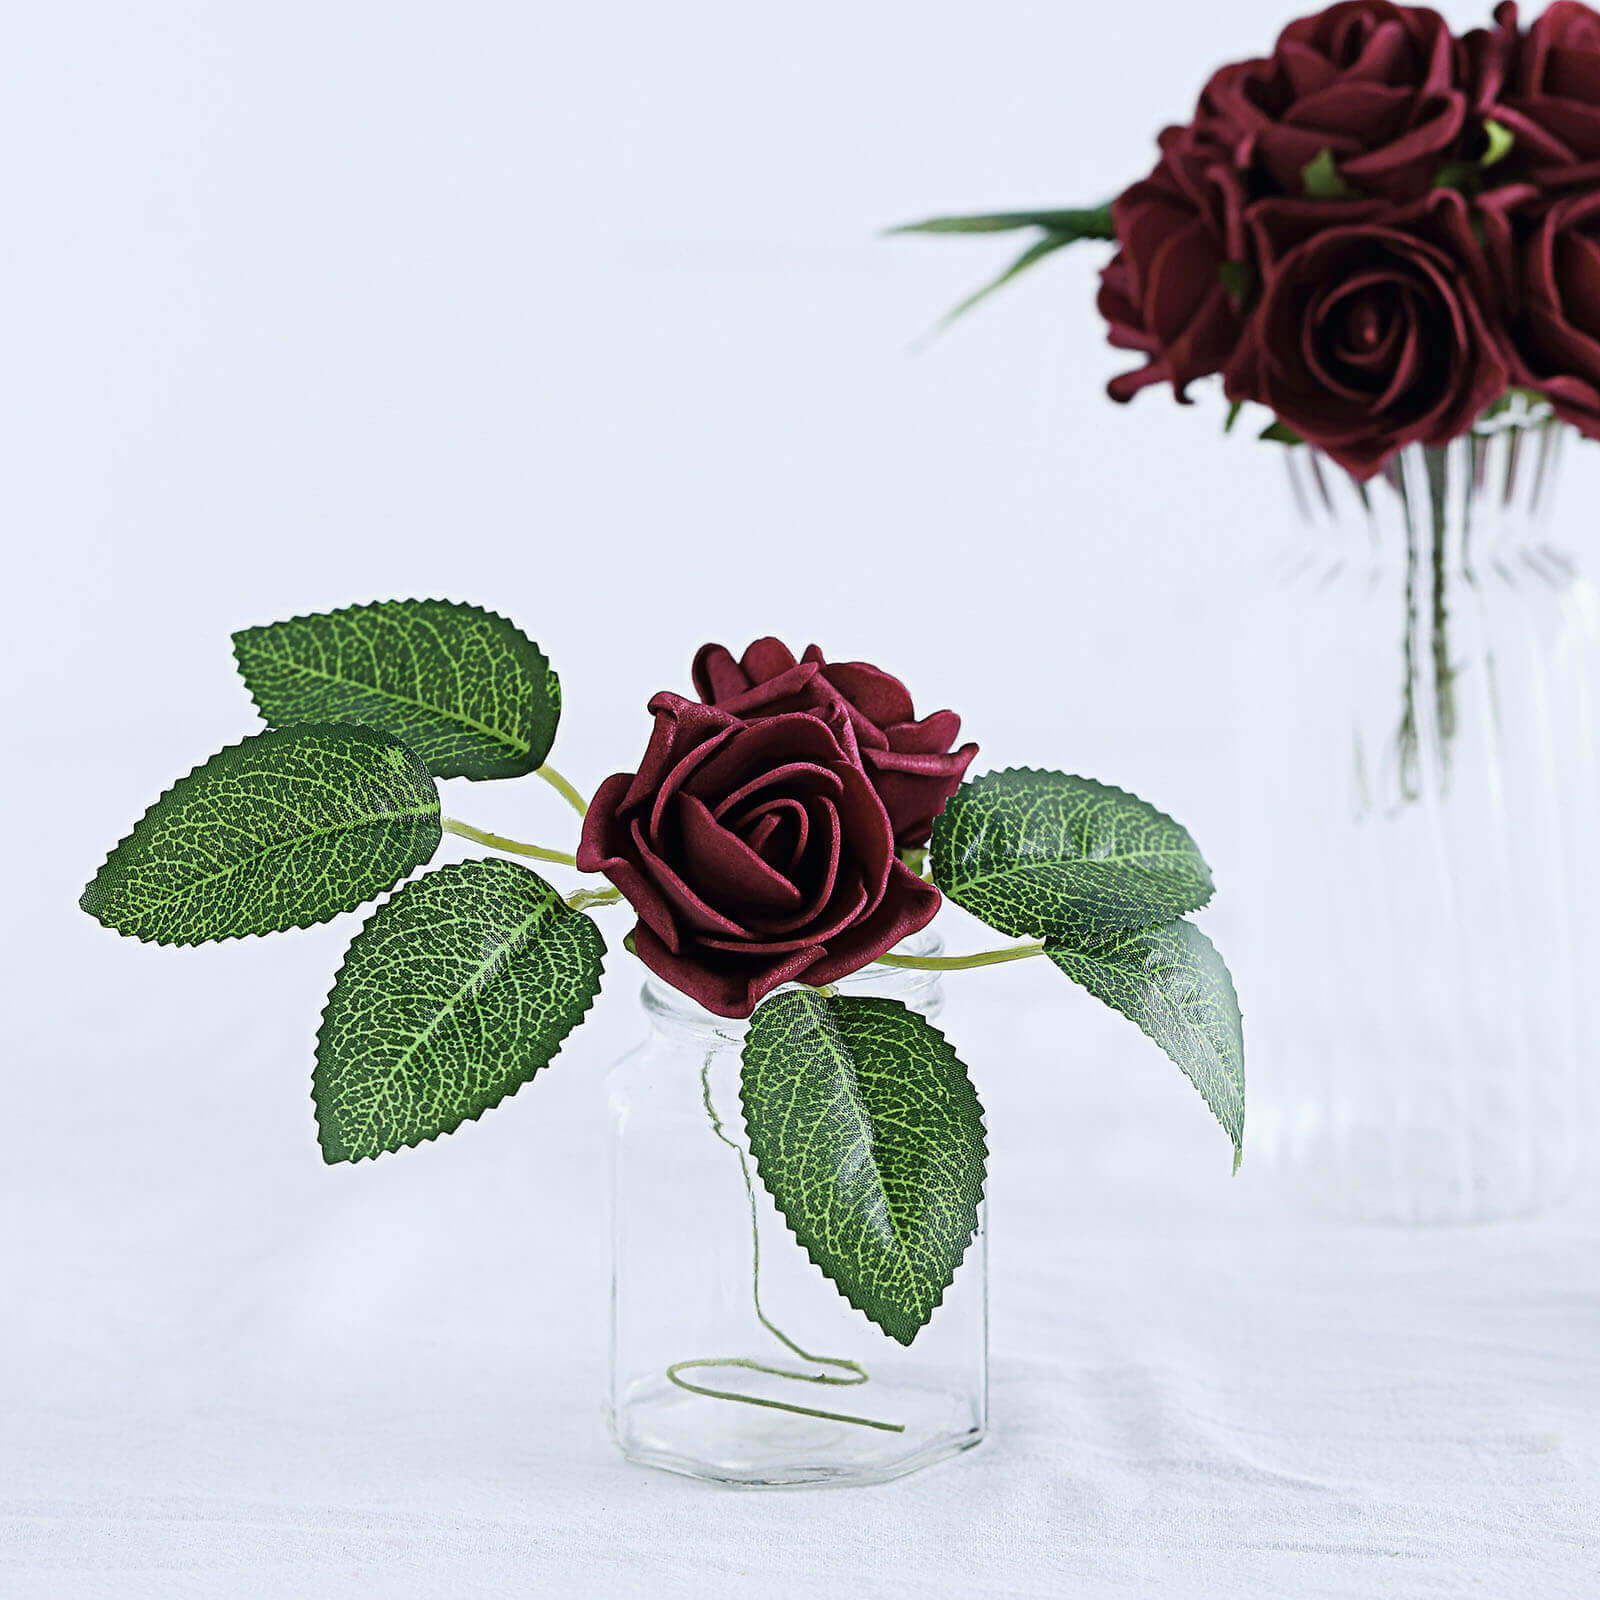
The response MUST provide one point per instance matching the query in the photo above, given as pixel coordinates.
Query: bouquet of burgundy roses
(788, 827)
(1378, 232)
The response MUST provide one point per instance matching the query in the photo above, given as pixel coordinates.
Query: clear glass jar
(732, 1357)
(1421, 753)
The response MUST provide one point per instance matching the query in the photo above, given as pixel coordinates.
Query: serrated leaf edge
(941, 828)
(1129, 933)
(472, 1116)
(294, 927)
(430, 600)
(983, 1187)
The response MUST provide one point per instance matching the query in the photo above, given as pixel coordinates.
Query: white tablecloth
(226, 1370)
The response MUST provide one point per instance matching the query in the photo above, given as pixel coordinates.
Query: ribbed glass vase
(1421, 760)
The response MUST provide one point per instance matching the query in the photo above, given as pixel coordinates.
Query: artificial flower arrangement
(787, 828)
(1378, 232)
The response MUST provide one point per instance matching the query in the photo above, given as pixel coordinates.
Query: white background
(580, 313)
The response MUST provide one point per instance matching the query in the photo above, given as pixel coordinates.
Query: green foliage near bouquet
(791, 826)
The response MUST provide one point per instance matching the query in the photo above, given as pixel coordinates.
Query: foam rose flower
(1375, 326)
(755, 852)
(1374, 84)
(1543, 87)
(909, 761)
(1167, 291)
(1549, 250)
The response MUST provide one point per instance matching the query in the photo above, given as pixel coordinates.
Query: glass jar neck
(671, 1011)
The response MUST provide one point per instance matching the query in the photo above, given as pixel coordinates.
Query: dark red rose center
(1366, 337)
(1366, 330)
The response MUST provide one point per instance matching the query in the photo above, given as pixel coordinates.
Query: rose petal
(688, 907)
(767, 658)
(932, 736)
(731, 988)
(716, 675)
(679, 774)
(864, 824)
(722, 864)
(604, 847)
(915, 788)
(880, 698)
(843, 907)
(758, 747)
(792, 690)
(808, 776)
(681, 726)
(909, 905)
(777, 812)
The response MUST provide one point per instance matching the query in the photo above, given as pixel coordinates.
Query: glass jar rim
(664, 1004)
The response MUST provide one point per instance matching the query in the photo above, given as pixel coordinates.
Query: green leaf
(1044, 855)
(1060, 228)
(1173, 984)
(1034, 253)
(1280, 433)
(1463, 175)
(1091, 222)
(455, 992)
(1239, 281)
(467, 690)
(869, 1138)
(1322, 178)
(287, 828)
(1233, 415)
(1500, 142)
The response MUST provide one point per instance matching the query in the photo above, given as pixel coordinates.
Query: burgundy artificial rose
(909, 762)
(755, 853)
(1551, 248)
(1374, 325)
(1543, 87)
(1376, 85)
(1174, 288)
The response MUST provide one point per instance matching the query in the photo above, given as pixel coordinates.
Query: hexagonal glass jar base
(661, 1425)
(733, 1358)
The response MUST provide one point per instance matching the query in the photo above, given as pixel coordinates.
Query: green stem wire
(579, 899)
(498, 841)
(562, 787)
(582, 899)
(857, 1374)
(983, 958)
(1444, 678)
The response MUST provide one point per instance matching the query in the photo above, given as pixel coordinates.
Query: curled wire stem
(845, 1374)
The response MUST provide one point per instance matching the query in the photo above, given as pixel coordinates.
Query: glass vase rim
(665, 1004)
